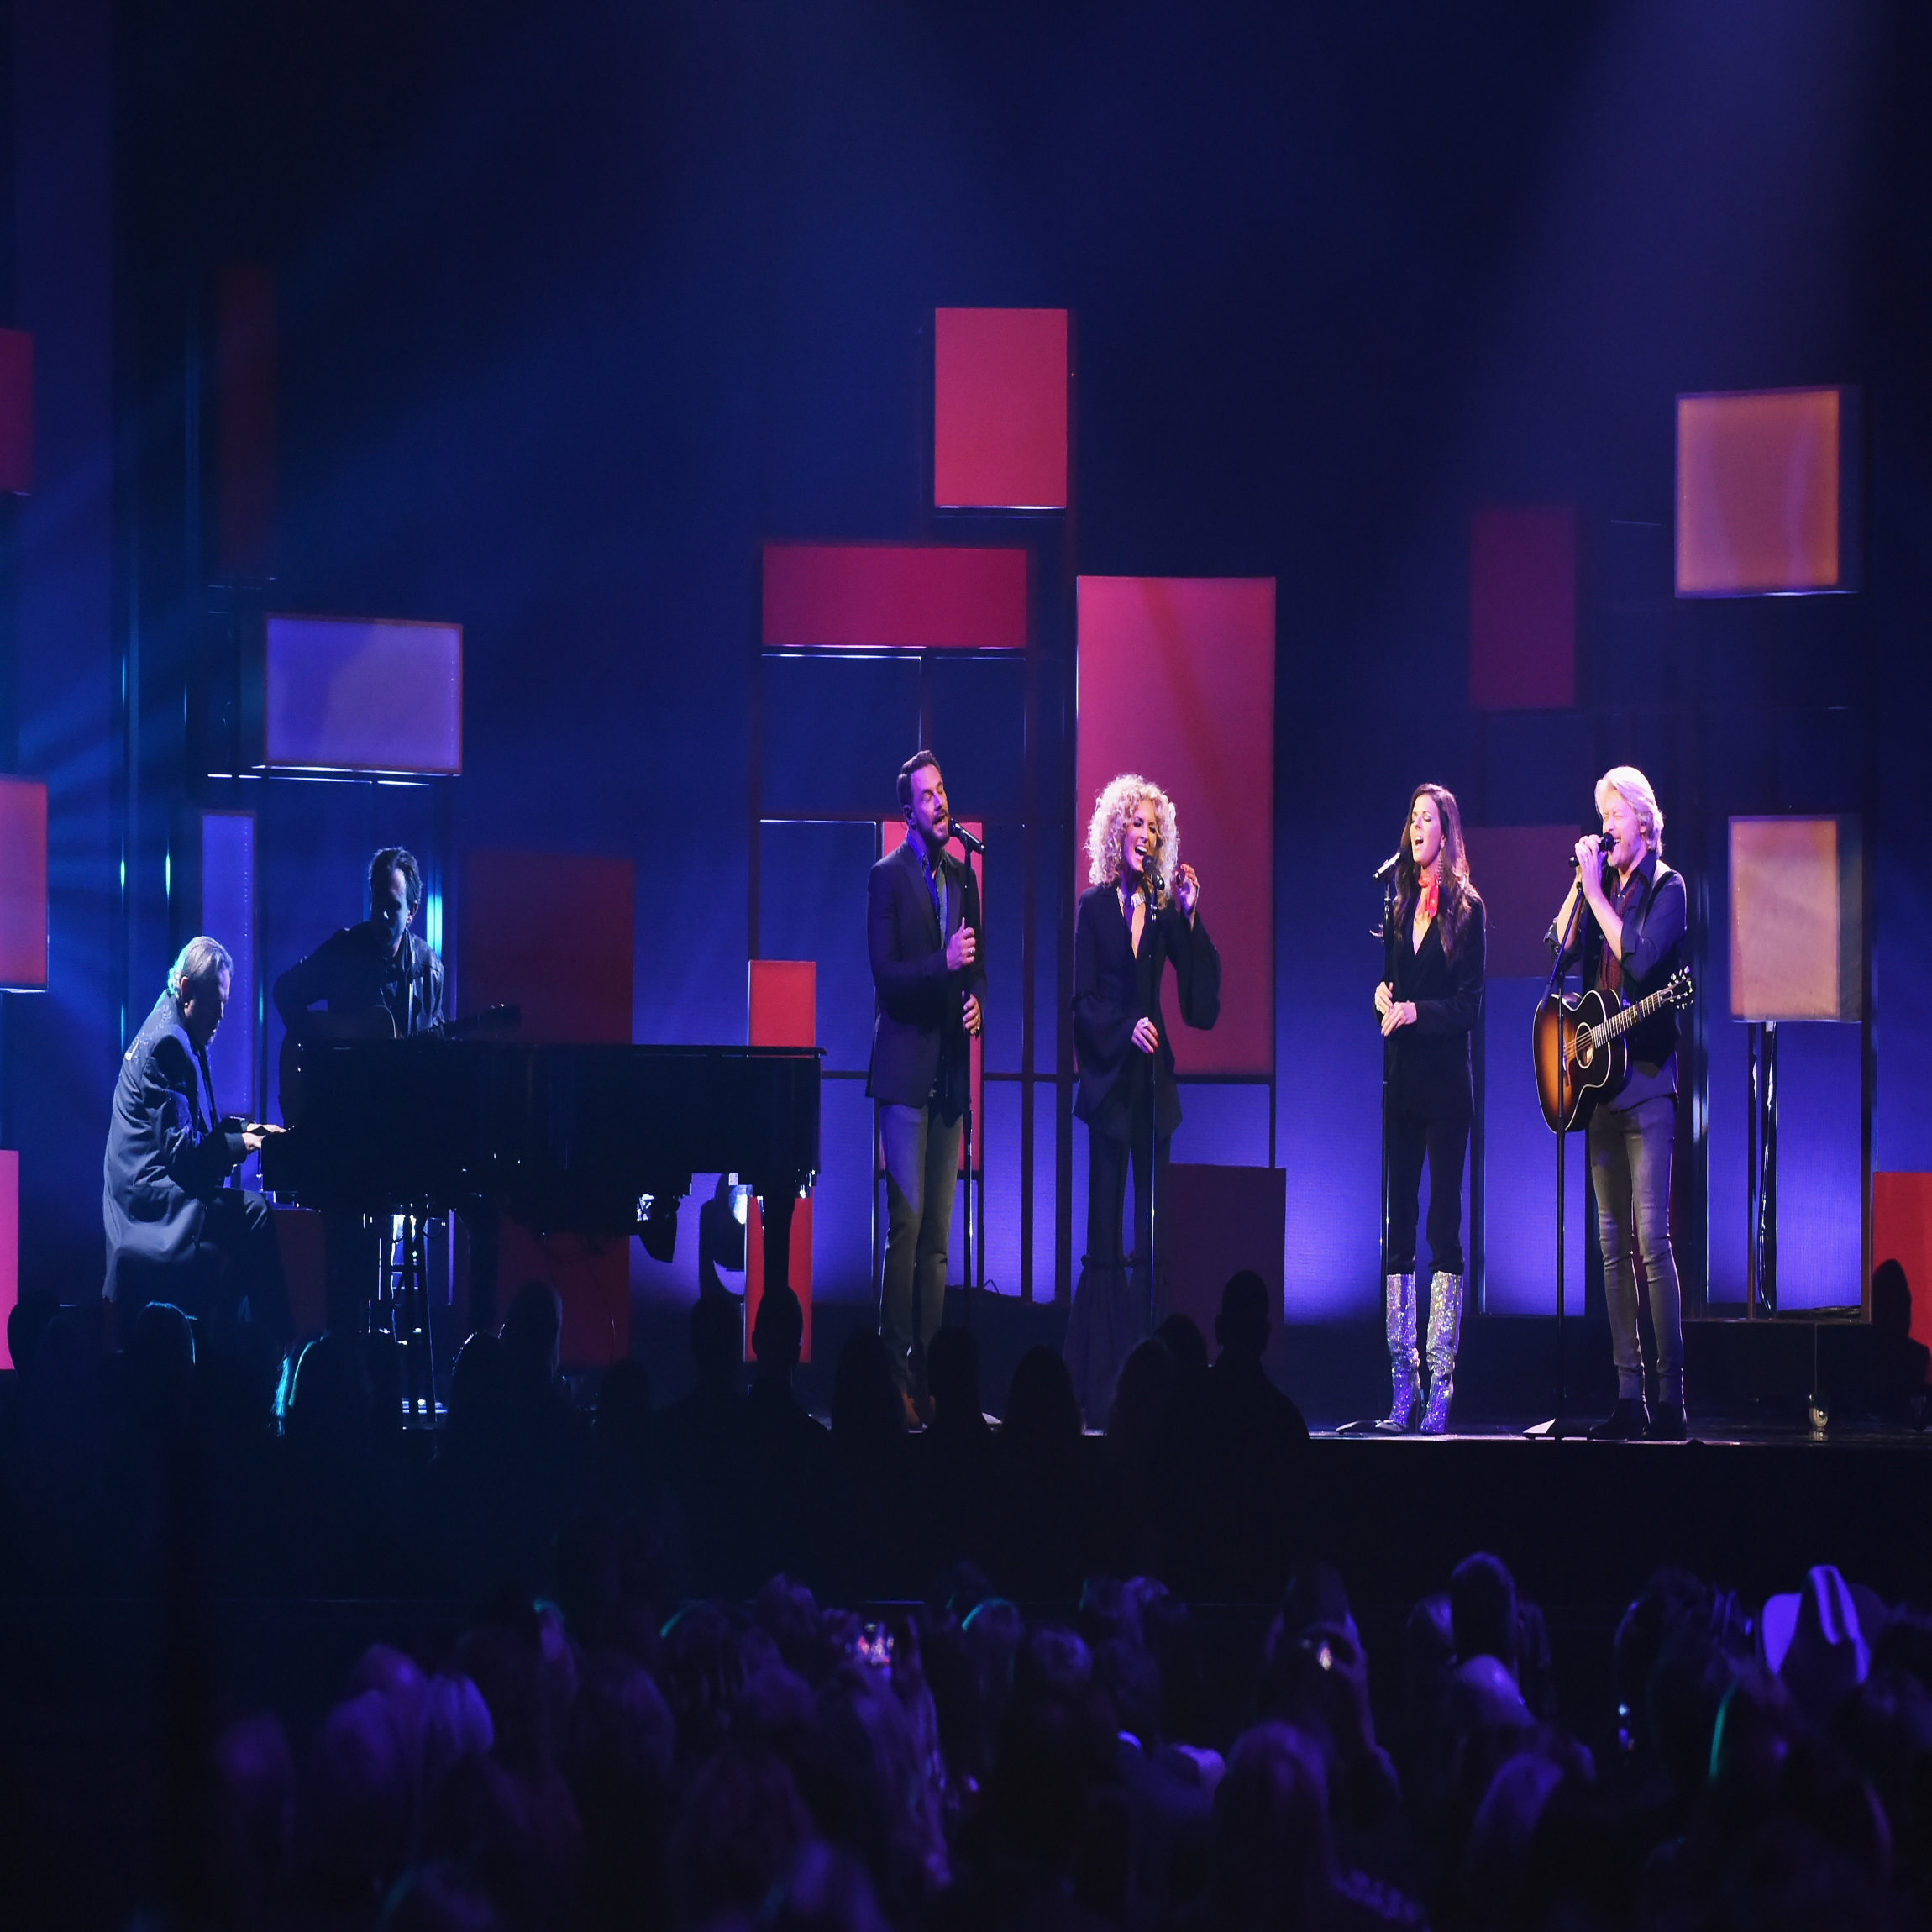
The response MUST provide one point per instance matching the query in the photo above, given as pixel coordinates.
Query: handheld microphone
(1606, 842)
(955, 830)
(1386, 866)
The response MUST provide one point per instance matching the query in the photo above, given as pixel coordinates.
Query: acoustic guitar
(364, 1023)
(1581, 1055)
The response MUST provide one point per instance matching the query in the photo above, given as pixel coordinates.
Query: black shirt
(1655, 923)
(353, 970)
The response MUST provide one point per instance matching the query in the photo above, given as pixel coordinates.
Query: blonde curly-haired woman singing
(1142, 910)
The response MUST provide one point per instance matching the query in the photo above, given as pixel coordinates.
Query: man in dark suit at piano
(922, 928)
(372, 977)
(176, 1231)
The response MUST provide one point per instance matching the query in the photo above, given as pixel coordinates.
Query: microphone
(1386, 866)
(1606, 841)
(955, 830)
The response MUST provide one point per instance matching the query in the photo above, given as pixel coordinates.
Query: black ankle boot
(1624, 1423)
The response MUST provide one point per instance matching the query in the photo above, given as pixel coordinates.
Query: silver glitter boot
(1404, 1365)
(1445, 1330)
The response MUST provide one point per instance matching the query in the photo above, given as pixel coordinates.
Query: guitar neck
(1634, 1016)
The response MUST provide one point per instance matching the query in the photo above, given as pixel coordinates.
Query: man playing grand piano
(176, 1231)
(377, 977)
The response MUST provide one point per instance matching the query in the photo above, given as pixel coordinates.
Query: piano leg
(775, 1210)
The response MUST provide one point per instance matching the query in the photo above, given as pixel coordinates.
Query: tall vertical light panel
(23, 883)
(1177, 683)
(229, 915)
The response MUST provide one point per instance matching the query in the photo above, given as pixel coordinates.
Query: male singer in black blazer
(922, 930)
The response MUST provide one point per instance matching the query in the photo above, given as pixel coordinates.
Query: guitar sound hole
(1585, 1052)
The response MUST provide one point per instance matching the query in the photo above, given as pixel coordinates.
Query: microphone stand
(1557, 1426)
(1153, 1098)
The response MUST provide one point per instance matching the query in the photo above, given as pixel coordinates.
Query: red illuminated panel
(1902, 1232)
(245, 422)
(782, 1010)
(554, 933)
(23, 882)
(356, 694)
(16, 411)
(891, 836)
(1522, 872)
(1760, 495)
(894, 596)
(9, 1244)
(1523, 610)
(999, 408)
(1177, 683)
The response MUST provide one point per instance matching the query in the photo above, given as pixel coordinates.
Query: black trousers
(233, 1275)
(1108, 1160)
(1442, 1131)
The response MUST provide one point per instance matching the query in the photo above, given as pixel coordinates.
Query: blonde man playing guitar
(1628, 934)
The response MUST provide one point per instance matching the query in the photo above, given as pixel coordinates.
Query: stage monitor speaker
(1214, 1222)
(358, 694)
(999, 408)
(1767, 496)
(894, 596)
(782, 1001)
(22, 884)
(1796, 919)
(1523, 609)
(16, 411)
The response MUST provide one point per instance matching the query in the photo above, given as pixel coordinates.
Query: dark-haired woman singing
(1427, 1009)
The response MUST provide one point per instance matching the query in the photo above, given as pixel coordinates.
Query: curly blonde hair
(1106, 830)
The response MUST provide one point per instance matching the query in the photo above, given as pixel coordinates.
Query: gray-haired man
(176, 1231)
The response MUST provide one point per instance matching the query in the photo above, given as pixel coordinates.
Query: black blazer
(1113, 988)
(349, 970)
(919, 1045)
(166, 1155)
(1429, 1063)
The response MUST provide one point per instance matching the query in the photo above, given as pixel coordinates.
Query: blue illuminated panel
(354, 694)
(228, 914)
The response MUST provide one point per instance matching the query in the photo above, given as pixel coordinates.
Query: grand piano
(586, 1140)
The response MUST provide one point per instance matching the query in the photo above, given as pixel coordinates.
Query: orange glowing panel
(999, 409)
(1177, 683)
(1766, 495)
(16, 411)
(1523, 610)
(894, 596)
(23, 883)
(891, 836)
(782, 1001)
(1797, 900)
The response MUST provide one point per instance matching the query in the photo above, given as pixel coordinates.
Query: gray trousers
(1630, 1167)
(921, 1168)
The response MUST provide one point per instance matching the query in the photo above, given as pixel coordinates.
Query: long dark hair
(1457, 901)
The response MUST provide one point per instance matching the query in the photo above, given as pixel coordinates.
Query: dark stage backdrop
(577, 308)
